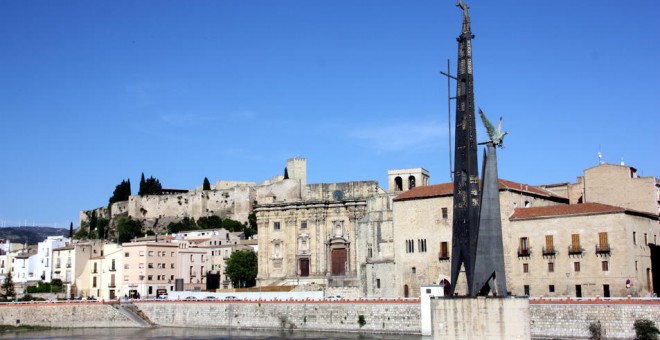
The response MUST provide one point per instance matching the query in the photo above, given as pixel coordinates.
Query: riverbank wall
(374, 316)
(549, 318)
(64, 315)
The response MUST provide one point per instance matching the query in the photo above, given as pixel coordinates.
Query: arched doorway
(398, 184)
(406, 293)
(446, 287)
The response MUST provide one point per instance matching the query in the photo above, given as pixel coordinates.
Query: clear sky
(93, 92)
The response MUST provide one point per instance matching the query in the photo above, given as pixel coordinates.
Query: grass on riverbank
(21, 328)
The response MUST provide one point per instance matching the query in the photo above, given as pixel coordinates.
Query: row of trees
(213, 222)
(149, 186)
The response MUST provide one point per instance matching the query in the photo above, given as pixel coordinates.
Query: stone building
(588, 249)
(617, 185)
(312, 238)
(422, 223)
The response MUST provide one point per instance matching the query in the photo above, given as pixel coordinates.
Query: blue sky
(95, 92)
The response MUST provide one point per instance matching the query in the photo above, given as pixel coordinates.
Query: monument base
(480, 318)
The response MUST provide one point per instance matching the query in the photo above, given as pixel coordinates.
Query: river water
(170, 333)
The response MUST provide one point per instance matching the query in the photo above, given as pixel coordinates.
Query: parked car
(190, 298)
(210, 297)
(334, 297)
(162, 296)
(231, 298)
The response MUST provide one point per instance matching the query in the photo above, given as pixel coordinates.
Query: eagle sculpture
(496, 135)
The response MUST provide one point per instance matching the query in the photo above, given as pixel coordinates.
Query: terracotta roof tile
(565, 210)
(447, 189)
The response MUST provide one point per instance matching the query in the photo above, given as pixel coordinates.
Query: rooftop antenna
(600, 157)
(449, 99)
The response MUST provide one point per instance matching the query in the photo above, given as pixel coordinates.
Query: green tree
(102, 227)
(71, 230)
(82, 232)
(150, 186)
(142, 183)
(646, 330)
(7, 287)
(242, 268)
(93, 222)
(206, 185)
(122, 192)
(232, 225)
(209, 222)
(286, 173)
(128, 229)
(184, 225)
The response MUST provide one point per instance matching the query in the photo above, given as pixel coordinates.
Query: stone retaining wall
(64, 315)
(570, 318)
(395, 316)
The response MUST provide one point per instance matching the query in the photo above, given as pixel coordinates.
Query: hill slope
(30, 235)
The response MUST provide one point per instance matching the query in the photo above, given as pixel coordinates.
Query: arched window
(398, 183)
(411, 182)
(405, 291)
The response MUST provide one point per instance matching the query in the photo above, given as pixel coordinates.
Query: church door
(339, 261)
(304, 267)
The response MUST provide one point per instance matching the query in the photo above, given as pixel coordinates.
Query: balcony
(111, 285)
(549, 251)
(68, 265)
(603, 249)
(524, 252)
(113, 269)
(193, 274)
(443, 256)
(575, 250)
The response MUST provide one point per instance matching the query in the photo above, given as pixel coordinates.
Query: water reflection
(194, 333)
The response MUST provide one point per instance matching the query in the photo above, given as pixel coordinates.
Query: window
(151, 253)
(445, 214)
(303, 225)
(444, 251)
(414, 270)
(604, 265)
(606, 290)
(410, 246)
(377, 283)
(141, 252)
(172, 265)
(125, 278)
(551, 267)
(126, 266)
(646, 239)
(634, 237)
(171, 254)
(575, 248)
(576, 266)
(523, 247)
(94, 282)
(551, 288)
(421, 244)
(141, 266)
(526, 288)
(525, 267)
(150, 278)
(150, 266)
(276, 225)
(549, 245)
(126, 254)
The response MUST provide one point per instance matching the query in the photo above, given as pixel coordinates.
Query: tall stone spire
(466, 177)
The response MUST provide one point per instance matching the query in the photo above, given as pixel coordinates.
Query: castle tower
(465, 226)
(297, 169)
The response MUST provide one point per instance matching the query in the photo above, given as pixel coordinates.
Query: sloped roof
(447, 189)
(572, 210)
